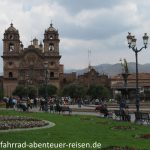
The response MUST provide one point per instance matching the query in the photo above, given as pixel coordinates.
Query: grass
(75, 128)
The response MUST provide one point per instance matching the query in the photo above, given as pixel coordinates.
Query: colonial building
(92, 77)
(68, 78)
(32, 65)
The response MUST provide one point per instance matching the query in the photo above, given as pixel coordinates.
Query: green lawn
(75, 128)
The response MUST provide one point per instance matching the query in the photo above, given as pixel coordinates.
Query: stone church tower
(27, 66)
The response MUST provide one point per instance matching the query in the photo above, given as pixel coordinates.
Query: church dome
(51, 28)
(11, 29)
(35, 39)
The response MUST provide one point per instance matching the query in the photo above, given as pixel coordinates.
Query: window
(11, 37)
(10, 63)
(11, 47)
(51, 37)
(10, 74)
(52, 63)
(51, 47)
(51, 74)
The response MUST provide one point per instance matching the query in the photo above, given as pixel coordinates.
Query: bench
(62, 109)
(66, 108)
(142, 117)
(105, 113)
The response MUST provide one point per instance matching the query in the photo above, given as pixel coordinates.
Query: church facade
(34, 65)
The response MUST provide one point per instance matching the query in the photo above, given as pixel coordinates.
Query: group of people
(11, 102)
(124, 110)
(27, 103)
(17, 102)
(43, 104)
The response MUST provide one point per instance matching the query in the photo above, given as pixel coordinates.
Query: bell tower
(11, 41)
(11, 51)
(51, 40)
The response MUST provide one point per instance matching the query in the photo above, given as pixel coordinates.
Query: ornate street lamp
(132, 44)
(46, 81)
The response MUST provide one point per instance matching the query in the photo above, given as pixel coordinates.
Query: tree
(98, 91)
(23, 91)
(74, 91)
(20, 91)
(1, 93)
(32, 91)
(51, 89)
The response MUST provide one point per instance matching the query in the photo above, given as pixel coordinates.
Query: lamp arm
(142, 48)
(136, 50)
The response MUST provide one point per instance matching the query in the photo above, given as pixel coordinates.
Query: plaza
(74, 75)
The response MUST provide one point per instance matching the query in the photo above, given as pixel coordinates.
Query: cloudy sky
(97, 25)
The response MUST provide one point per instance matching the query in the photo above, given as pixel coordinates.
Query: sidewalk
(79, 112)
(91, 108)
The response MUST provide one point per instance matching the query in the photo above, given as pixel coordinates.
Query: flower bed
(145, 136)
(120, 148)
(123, 128)
(14, 122)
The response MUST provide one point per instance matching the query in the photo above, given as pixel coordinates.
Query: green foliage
(74, 91)
(1, 93)
(20, 91)
(23, 91)
(32, 91)
(51, 90)
(98, 91)
(95, 91)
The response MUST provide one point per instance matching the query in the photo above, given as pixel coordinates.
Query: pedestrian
(126, 114)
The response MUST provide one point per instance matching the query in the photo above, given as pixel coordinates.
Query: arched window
(10, 75)
(10, 63)
(52, 63)
(11, 47)
(51, 74)
(51, 37)
(51, 47)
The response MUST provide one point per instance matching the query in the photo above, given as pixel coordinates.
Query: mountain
(114, 69)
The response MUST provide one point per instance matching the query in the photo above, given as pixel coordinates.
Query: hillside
(114, 69)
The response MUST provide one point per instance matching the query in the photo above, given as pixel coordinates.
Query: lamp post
(46, 80)
(132, 44)
(27, 82)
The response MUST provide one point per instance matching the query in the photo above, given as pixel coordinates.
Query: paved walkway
(74, 113)
(88, 110)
